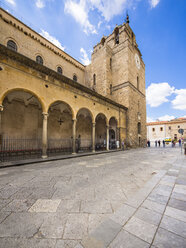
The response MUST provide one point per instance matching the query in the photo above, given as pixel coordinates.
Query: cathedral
(52, 104)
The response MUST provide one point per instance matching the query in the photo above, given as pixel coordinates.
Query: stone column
(74, 136)
(93, 136)
(107, 138)
(1, 136)
(44, 137)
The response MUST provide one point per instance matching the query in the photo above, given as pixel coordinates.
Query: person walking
(163, 143)
(159, 143)
(156, 142)
(179, 142)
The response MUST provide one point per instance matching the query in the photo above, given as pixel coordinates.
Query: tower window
(111, 63)
(39, 60)
(75, 78)
(12, 45)
(161, 128)
(94, 79)
(153, 129)
(139, 128)
(169, 128)
(137, 82)
(116, 34)
(59, 70)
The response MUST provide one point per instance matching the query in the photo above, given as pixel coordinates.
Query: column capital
(1, 108)
(93, 123)
(45, 115)
(74, 120)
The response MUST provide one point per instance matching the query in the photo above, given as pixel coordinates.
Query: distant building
(160, 130)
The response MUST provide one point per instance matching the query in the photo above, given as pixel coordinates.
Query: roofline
(41, 36)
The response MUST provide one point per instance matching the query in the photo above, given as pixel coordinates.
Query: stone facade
(166, 129)
(107, 102)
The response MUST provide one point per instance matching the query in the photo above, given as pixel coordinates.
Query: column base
(93, 151)
(74, 153)
(44, 156)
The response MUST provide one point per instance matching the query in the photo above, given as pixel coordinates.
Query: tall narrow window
(116, 34)
(139, 128)
(137, 82)
(94, 79)
(39, 60)
(12, 45)
(75, 78)
(111, 63)
(59, 70)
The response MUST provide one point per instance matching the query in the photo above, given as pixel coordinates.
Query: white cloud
(166, 118)
(154, 3)
(156, 94)
(52, 39)
(12, 2)
(180, 100)
(84, 57)
(79, 11)
(40, 4)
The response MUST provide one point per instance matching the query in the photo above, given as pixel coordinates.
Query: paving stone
(178, 196)
(141, 229)
(172, 173)
(102, 236)
(42, 193)
(181, 205)
(127, 240)
(94, 220)
(170, 179)
(3, 216)
(165, 239)
(154, 196)
(66, 243)
(175, 213)
(153, 206)
(148, 215)
(3, 203)
(76, 226)
(45, 206)
(19, 205)
(181, 181)
(8, 191)
(176, 226)
(96, 207)
(52, 227)
(69, 206)
(180, 189)
(26, 243)
(20, 225)
(122, 215)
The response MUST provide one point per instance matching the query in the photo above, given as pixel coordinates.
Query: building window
(39, 60)
(116, 35)
(110, 63)
(12, 45)
(169, 128)
(59, 70)
(161, 128)
(138, 83)
(94, 79)
(178, 126)
(139, 128)
(153, 129)
(175, 136)
(75, 78)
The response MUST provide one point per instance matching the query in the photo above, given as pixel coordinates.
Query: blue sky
(77, 25)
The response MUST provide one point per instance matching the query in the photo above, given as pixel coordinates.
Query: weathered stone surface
(153, 206)
(176, 213)
(178, 196)
(174, 203)
(141, 229)
(148, 215)
(165, 239)
(45, 206)
(127, 240)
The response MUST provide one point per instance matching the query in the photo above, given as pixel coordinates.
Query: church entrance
(83, 130)
(59, 129)
(101, 132)
(21, 126)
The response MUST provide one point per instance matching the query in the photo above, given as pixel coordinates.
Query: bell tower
(117, 71)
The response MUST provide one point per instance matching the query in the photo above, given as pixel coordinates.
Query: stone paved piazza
(130, 199)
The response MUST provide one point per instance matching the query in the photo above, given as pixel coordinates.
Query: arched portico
(84, 130)
(20, 124)
(101, 132)
(113, 133)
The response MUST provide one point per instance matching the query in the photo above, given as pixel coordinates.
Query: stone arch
(72, 111)
(59, 128)
(113, 132)
(25, 90)
(101, 131)
(84, 119)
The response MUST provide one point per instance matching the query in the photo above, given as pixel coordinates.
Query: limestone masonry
(59, 105)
